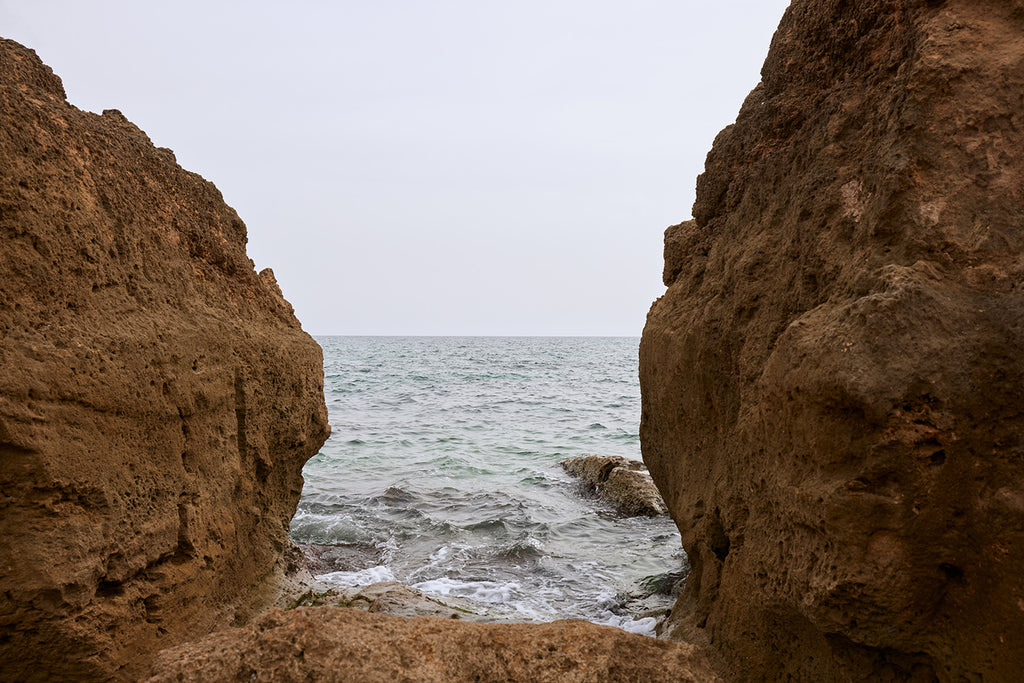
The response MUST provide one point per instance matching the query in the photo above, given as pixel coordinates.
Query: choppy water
(442, 468)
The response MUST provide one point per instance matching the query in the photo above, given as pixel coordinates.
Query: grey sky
(441, 167)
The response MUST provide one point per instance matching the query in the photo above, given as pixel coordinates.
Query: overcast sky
(429, 167)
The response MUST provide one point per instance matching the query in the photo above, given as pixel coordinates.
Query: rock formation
(158, 398)
(624, 483)
(833, 383)
(392, 597)
(334, 644)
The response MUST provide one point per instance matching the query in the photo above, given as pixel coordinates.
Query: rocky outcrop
(333, 644)
(158, 398)
(624, 483)
(392, 597)
(832, 383)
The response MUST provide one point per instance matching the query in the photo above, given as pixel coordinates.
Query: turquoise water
(442, 471)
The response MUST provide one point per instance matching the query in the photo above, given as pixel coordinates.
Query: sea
(442, 472)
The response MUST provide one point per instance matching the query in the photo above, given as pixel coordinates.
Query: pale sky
(429, 167)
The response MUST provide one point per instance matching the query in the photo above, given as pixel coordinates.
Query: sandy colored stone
(158, 398)
(633, 492)
(334, 644)
(594, 469)
(622, 482)
(833, 382)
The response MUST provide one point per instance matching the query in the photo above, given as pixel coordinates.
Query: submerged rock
(332, 644)
(158, 398)
(341, 557)
(624, 483)
(832, 383)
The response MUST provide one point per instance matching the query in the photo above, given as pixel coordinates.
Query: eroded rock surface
(158, 398)
(833, 384)
(334, 644)
(392, 597)
(624, 483)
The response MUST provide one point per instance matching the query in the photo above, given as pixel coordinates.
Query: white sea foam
(644, 627)
(475, 505)
(481, 591)
(363, 577)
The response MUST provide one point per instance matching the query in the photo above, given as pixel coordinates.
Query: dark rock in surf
(343, 557)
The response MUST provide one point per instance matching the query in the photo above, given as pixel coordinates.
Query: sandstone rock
(832, 384)
(158, 398)
(622, 482)
(332, 644)
(594, 469)
(633, 492)
(392, 597)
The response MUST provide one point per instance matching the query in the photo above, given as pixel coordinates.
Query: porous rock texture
(158, 398)
(335, 644)
(624, 483)
(833, 383)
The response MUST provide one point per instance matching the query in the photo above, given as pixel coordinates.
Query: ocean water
(442, 473)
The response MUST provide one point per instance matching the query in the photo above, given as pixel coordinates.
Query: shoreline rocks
(393, 597)
(832, 381)
(338, 644)
(158, 398)
(622, 482)
(397, 599)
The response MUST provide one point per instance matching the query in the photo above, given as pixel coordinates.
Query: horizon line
(519, 336)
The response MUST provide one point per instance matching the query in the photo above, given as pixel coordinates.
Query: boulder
(833, 382)
(158, 398)
(624, 483)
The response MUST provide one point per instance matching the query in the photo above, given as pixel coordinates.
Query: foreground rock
(158, 398)
(332, 644)
(832, 383)
(624, 483)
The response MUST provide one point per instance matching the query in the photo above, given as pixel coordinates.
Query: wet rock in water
(832, 383)
(158, 398)
(624, 483)
(332, 644)
(633, 491)
(342, 557)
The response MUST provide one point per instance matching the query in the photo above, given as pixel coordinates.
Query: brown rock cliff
(158, 398)
(833, 383)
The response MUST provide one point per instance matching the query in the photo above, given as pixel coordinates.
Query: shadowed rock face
(833, 383)
(158, 398)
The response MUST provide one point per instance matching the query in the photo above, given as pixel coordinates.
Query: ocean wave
(644, 626)
(444, 459)
(363, 577)
(480, 591)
